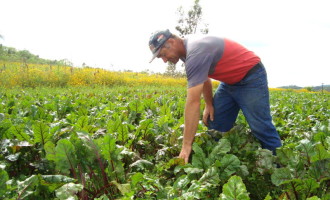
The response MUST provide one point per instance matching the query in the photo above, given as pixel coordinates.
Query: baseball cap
(157, 40)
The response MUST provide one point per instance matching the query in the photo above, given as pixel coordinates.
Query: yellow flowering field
(13, 74)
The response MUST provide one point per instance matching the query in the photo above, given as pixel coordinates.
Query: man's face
(168, 53)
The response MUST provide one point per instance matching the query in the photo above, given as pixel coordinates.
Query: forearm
(192, 114)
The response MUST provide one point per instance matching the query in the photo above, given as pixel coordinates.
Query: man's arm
(191, 113)
(208, 97)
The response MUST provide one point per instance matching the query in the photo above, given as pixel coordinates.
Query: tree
(188, 23)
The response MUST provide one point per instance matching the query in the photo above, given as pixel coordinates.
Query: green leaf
(306, 186)
(50, 151)
(222, 147)
(5, 126)
(210, 176)
(268, 197)
(181, 182)
(198, 158)
(41, 133)
(2, 117)
(13, 157)
(320, 153)
(136, 178)
(141, 165)
(68, 191)
(18, 132)
(319, 169)
(3, 180)
(286, 155)
(281, 176)
(65, 157)
(313, 198)
(57, 179)
(229, 165)
(109, 149)
(234, 189)
(27, 187)
(265, 160)
(123, 188)
(192, 170)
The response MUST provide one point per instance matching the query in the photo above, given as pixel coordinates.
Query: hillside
(312, 88)
(11, 54)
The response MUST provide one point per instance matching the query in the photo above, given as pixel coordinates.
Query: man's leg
(253, 98)
(225, 110)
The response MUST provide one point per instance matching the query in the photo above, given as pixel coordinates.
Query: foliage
(10, 54)
(121, 143)
(189, 22)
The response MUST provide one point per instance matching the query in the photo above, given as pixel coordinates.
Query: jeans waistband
(253, 69)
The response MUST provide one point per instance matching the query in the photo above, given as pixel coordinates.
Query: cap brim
(155, 55)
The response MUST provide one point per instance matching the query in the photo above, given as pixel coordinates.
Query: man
(243, 85)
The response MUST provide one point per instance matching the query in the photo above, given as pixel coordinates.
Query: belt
(253, 69)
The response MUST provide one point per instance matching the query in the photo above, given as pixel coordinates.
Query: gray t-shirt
(203, 53)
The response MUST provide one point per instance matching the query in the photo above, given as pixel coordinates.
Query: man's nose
(164, 59)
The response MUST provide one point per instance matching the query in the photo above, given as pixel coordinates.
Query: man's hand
(185, 153)
(208, 113)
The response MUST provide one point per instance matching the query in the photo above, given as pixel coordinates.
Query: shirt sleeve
(197, 68)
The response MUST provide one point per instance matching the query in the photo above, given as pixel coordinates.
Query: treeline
(11, 54)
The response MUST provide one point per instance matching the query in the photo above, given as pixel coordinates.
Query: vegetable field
(122, 143)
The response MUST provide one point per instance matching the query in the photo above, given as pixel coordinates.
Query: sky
(292, 37)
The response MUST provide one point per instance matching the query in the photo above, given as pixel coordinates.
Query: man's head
(163, 44)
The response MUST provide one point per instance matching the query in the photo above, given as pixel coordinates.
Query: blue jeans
(251, 95)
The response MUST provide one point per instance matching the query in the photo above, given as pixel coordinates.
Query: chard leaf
(234, 189)
(306, 186)
(265, 160)
(13, 157)
(41, 133)
(68, 191)
(306, 147)
(198, 159)
(50, 151)
(109, 150)
(136, 178)
(281, 176)
(141, 165)
(320, 153)
(210, 176)
(319, 169)
(65, 157)
(18, 132)
(5, 126)
(53, 182)
(123, 188)
(57, 179)
(229, 165)
(313, 198)
(27, 187)
(268, 197)
(286, 155)
(3, 180)
(181, 182)
(2, 117)
(222, 147)
(192, 170)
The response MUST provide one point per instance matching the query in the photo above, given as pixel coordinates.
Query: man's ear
(171, 41)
